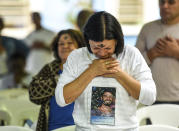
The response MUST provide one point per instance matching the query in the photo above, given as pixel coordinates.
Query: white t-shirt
(39, 57)
(132, 62)
(165, 70)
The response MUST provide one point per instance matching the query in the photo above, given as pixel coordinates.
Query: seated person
(17, 76)
(42, 87)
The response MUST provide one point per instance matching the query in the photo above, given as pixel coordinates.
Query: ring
(106, 62)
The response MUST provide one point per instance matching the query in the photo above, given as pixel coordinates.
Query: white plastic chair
(14, 128)
(5, 117)
(67, 128)
(162, 114)
(20, 110)
(157, 128)
(30, 113)
(13, 93)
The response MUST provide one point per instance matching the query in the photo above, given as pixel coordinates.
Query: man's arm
(40, 45)
(141, 45)
(149, 55)
(153, 53)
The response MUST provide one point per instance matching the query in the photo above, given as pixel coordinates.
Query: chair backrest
(14, 128)
(20, 110)
(5, 117)
(30, 113)
(165, 114)
(67, 128)
(13, 93)
(157, 128)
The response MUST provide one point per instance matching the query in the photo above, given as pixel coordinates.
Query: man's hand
(168, 46)
(38, 45)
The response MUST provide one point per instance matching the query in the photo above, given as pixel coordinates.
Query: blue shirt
(60, 116)
(13, 45)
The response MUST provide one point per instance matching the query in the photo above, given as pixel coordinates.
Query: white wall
(151, 10)
(54, 14)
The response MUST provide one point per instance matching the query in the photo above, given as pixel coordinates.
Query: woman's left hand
(114, 68)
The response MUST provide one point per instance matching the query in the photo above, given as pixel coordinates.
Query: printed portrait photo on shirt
(103, 105)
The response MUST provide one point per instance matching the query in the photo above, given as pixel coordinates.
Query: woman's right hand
(100, 67)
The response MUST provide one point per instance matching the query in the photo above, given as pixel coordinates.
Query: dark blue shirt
(60, 116)
(13, 46)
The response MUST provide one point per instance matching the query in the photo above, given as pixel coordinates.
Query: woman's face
(103, 49)
(65, 45)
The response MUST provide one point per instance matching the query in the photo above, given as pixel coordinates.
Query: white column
(112, 6)
(151, 10)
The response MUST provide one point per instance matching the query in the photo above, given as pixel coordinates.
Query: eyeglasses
(170, 2)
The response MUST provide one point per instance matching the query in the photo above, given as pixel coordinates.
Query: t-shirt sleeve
(141, 44)
(142, 73)
(68, 75)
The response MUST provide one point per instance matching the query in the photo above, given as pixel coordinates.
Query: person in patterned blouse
(42, 87)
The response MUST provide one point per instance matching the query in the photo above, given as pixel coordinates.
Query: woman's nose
(66, 45)
(102, 52)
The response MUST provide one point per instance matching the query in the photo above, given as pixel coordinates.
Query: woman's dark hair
(101, 26)
(74, 34)
(111, 90)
